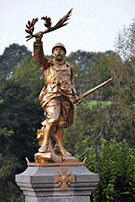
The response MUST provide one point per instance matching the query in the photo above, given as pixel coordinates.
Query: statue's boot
(45, 145)
(59, 149)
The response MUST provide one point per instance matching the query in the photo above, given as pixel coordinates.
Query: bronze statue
(59, 97)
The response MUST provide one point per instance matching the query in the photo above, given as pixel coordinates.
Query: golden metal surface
(57, 98)
(64, 180)
(63, 161)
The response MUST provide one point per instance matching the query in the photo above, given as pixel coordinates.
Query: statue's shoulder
(68, 64)
(51, 62)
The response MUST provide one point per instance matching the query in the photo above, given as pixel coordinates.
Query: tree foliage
(11, 57)
(20, 118)
(117, 118)
(115, 163)
(87, 71)
(125, 42)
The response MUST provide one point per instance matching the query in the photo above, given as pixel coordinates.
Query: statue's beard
(59, 57)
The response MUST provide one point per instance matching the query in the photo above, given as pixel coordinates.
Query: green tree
(115, 163)
(86, 72)
(21, 111)
(21, 116)
(123, 89)
(125, 42)
(11, 57)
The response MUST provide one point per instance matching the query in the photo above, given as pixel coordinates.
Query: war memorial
(56, 175)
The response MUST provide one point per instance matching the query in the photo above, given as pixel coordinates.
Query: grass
(93, 103)
(102, 103)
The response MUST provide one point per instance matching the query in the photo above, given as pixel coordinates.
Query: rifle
(92, 90)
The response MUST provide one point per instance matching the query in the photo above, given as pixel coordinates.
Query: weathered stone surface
(38, 185)
(59, 199)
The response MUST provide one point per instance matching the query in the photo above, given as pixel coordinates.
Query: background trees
(115, 165)
(12, 57)
(20, 118)
(87, 73)
(114, 118)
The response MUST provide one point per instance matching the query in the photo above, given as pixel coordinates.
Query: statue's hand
(79, 101)
(75, 100)
(38, 36)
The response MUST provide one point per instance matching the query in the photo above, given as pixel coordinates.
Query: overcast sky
(93, 26)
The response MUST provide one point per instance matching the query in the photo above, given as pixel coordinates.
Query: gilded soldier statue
(58, 97)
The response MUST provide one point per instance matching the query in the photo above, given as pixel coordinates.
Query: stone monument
(56, 175)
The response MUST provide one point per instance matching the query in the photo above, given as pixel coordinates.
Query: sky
(93, 25)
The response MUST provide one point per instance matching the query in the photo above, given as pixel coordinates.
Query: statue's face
(59, 53)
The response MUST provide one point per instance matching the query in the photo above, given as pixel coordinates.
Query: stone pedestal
(39, 184)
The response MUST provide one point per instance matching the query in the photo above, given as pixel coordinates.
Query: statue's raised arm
(39, 55)
(38, 45)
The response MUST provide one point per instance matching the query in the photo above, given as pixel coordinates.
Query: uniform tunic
(57, 98)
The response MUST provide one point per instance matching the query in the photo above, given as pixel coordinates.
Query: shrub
(116, 167)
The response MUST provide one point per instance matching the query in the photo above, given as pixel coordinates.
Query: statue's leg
(59, 149)
(65, 108)
(52, 110)
(46, 136)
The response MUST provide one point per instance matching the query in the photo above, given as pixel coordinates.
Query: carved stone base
(47, 184)
(58, 199)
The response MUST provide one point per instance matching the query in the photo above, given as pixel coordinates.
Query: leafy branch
(62, 22)
(47, 21)
(30, 27)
